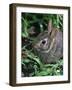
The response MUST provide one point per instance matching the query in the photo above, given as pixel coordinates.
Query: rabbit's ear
(49, 26)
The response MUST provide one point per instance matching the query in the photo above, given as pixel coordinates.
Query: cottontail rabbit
(49, 44)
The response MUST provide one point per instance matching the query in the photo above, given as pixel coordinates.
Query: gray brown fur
(49, 45)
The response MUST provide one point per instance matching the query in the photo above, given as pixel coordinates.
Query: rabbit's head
(46, 38)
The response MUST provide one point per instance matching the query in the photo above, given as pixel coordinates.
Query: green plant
(31, 64)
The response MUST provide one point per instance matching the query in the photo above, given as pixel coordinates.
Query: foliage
(32, 25)
(40, 22)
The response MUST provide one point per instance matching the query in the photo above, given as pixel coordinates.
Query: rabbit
(49, 44)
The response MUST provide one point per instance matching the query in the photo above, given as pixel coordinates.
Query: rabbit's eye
(43, 42)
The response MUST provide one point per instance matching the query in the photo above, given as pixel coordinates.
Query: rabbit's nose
(33, 45)
(36, 46)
